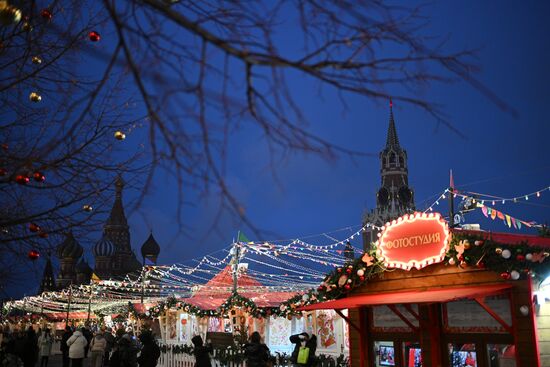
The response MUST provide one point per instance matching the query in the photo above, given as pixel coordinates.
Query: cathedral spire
(48, 280)
(117, 216)
(392, 140)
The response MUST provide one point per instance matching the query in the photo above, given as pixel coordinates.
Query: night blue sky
(501, 154)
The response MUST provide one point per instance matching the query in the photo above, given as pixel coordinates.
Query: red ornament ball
(321, 288)
(33, 227)
(481, 265)
(347, 287)
(520, 257)
(348, 271)
(39, 176)
(362, 278)
(33, 255)
(43, 235)
(505, 275)
(94, 36)
(22, 179)
(46, 14)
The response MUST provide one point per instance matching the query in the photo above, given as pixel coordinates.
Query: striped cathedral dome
(104, 247)
(70, 248)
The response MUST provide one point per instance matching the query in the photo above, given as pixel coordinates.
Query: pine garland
(511, 261)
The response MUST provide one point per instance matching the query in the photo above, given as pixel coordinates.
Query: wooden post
(69, 304)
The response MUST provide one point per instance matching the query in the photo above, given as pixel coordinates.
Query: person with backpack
(108, 335)
(127, 352)
(201, 352)
(304, 350)
(77, 344)
(150, 352)
(255, 352)
(97, 347)
(45, 343)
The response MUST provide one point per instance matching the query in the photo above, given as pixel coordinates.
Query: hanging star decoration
(462, 245)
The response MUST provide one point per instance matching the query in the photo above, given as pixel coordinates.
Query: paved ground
(55, 361)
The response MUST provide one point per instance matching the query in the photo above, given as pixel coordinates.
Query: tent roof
(442, 295)
(216, 291)
(507, 238)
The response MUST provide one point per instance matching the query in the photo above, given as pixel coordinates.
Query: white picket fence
(170, 359)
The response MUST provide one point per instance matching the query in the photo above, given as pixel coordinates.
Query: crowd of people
(103, 348)
(257, 354)
(122, 349)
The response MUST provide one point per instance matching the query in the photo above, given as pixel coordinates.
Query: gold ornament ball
(36, 60)
(35, 97)
(498, 250)
(27, 27)
(9, 14)
(119, 135)
(467, 245)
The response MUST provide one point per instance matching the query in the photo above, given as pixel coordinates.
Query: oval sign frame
(413, 241)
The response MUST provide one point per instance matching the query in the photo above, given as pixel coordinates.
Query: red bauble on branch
(46, 14)
(22, 179)
(33, 255)
(33, 227)
(39, 176)
(94, 36)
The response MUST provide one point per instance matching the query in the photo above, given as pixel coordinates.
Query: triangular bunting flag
(508, 220)
(484, 210)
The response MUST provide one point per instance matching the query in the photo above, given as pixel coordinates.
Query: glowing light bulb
(526, 197)
(538, 194)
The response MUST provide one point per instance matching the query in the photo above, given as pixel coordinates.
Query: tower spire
(392, 140)
(48, 279)
(117, 216)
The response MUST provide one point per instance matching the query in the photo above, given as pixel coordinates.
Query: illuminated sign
(413, 241)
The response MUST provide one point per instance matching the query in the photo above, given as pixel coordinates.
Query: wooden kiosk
(432, 306)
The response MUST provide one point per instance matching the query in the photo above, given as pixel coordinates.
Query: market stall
(427, 296)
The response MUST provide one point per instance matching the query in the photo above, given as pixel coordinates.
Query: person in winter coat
(126, 353)
(45, 343)
(77, 345)
(30, 352)
(304, 340)
(150, 352)
(201, 352)
(97, 347)
(255, 352)
(107, 334)
(64, 347)
(88, 335)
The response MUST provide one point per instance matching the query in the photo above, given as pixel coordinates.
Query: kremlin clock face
(405, 195)
(383, 196)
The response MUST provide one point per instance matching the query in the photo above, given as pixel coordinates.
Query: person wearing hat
(304, 349)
